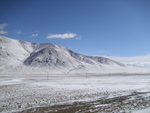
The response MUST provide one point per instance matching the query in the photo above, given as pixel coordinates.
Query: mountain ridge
(17, 56)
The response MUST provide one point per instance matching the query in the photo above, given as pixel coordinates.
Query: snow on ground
(147, 110)
(101, 93)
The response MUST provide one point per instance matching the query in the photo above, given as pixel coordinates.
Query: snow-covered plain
(74, 93)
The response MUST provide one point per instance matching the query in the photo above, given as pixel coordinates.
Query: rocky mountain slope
(18, 56)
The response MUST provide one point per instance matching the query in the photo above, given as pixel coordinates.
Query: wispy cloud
(62, 36)
(79, 38)
(3, 32)
(2, 27)
(34, 35)
(18, 32)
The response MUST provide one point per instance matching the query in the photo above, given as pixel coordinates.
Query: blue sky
(91, 27)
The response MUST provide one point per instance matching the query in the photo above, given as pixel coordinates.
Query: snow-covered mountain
(18, 56)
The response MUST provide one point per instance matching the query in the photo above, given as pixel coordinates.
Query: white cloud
(2, 27)
(62, 36)
(3, 32)
(34, 35)
(79, 38)
(18, 32)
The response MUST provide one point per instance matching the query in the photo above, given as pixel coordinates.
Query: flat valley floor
(78, 93)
